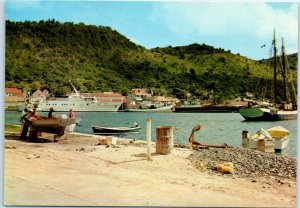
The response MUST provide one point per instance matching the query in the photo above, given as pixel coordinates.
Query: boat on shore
(52, 125)
(278, 138)
(286, 109)
(76, 101)
(100, 130)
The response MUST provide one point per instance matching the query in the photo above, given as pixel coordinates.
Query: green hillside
(293, 61)
(47, 54)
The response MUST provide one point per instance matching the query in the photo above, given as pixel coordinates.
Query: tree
(63, 90)
(36, 85)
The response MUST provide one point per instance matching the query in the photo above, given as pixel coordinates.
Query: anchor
(197, 145)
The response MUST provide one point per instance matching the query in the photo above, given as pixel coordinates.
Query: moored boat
(100, 130)
(267, 114)
(167, 108)
(286, 109)
(206, 109)
(78, 102)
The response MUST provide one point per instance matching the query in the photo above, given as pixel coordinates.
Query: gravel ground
(247, 162)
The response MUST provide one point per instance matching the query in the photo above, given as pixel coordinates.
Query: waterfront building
(13, 97)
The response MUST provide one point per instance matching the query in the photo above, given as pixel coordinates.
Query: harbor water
(217, 128)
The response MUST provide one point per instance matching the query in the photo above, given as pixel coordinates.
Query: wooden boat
(52, 125)
(100, 130)
(278, 135)
(274, 111)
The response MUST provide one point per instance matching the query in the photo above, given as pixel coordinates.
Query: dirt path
(79, 172)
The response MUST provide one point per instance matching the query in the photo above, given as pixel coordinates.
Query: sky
(239, 26)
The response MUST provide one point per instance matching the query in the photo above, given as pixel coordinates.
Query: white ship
(77, 102)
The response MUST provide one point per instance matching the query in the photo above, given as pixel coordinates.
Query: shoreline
(79, 171)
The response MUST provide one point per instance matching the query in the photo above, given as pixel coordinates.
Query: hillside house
(40, 94)
(138, 95)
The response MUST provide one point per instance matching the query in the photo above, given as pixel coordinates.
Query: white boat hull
(280, 137)
(160, 109)
(281, 144)
(76, 103)
(79, 106)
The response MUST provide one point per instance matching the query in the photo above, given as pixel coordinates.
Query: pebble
(32, 156)
(80, 149)
(247, 162)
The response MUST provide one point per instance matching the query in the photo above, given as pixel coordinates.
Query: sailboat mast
(275, 73)
(284, 72)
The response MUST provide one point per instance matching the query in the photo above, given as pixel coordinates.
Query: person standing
(72, 116)
(50, 113)
(24, 112)
(25, 123)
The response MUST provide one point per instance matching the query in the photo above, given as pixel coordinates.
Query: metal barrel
(164, 139)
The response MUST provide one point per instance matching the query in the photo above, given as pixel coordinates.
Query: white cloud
(252, 20)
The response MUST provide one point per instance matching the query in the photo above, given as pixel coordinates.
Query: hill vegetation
(47, 54)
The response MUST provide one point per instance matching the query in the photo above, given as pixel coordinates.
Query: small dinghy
(280, 136)
(100, 130)
(277, 135)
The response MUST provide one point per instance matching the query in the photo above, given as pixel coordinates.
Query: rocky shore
(248, 163)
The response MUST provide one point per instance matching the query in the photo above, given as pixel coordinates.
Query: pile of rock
(247, 162)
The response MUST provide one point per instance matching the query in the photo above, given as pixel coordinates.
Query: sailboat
(275, 111)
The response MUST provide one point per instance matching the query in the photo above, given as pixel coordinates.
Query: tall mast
(284, 72)
(275, 75)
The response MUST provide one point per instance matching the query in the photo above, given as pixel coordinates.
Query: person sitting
(34, 115)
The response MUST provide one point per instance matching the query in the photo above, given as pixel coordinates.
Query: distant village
(138, 98)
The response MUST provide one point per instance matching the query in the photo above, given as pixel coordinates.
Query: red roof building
(13, 91)
(13, 97)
